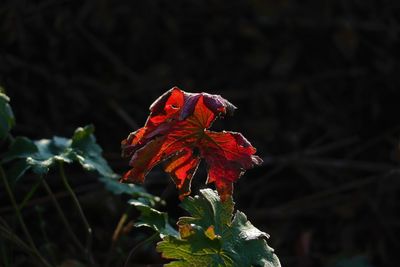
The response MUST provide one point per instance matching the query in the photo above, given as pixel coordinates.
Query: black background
(316, 84)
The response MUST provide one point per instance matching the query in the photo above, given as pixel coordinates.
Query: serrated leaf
(42, 154)
(211, 238)
(7, 119)
(207, 210)
(154, 219)
(177, 133)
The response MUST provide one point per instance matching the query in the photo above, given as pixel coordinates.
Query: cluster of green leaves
(210, 236)
(41, 155)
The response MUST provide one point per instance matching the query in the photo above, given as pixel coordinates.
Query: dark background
(316, 84)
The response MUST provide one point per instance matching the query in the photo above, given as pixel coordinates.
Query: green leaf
(49, 151)
(88, 152)
(7, 120)
(21, 147)
(42, 154)
(210, 237)
(117, 188)
(17, 170)
(207, 210)
(152, 218)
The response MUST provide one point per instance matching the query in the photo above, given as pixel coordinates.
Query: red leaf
(176, 132)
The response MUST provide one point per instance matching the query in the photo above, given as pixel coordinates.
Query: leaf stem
(142, 243)
(116, 235)
(62, 216)
(30, 194)
(80, 210)
(7, 234)
(20, 219)
(118, 229)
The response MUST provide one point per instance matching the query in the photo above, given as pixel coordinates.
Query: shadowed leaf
(7, 120)
(154, 219)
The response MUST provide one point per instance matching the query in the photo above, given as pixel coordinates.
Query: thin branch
(62, 216)
(136, 248)
(80, 210)
(21, 220)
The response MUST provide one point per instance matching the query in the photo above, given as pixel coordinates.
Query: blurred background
(316, 84)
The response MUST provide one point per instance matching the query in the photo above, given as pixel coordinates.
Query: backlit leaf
(177, 132)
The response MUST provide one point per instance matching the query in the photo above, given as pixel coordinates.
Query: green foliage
(117, 188)
(153, 218)
(88, 153)
(7, 120)
(210, 238)
(42, 154)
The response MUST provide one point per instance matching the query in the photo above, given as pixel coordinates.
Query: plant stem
(4, 255)
(62, 216)
(116, 235)
(80, 210)
(7, 234)
(142, 243)
(120, 225)
(20, 219)
(30, 194)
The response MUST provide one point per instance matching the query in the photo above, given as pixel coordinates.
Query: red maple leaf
(177, 132)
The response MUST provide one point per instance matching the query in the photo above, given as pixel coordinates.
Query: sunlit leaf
(210, 237)
(177, 132)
